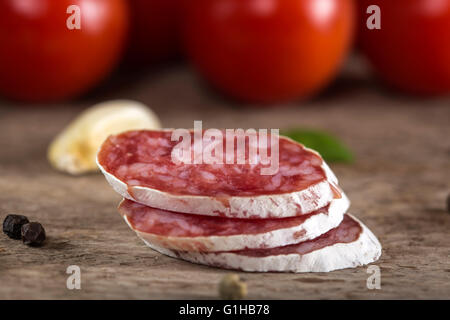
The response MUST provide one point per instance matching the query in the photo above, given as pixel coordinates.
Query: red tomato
(42, 60)
(268, 50)
(411, 51)
(154, 34)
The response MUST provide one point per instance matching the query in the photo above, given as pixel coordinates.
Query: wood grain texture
(398, 187)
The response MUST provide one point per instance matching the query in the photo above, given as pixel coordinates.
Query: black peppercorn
(12, 225)
(33, 234)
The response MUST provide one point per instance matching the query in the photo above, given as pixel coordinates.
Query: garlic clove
(75, 148)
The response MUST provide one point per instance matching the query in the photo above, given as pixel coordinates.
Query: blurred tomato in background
(261, 51)
(42, 60)
(268, 50)
(411, 51)
(154, 31)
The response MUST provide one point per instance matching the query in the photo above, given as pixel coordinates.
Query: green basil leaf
(330, 148)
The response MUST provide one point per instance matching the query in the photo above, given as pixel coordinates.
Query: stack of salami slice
(230, 215)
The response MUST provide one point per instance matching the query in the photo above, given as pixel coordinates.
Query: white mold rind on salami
(311, 227)
(364, 250)
(269, 205)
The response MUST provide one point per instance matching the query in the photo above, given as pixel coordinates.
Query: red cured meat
(181, 231)
(348, 231)
(175, 224)
(138, 164)
(349, 245)
(144, 159)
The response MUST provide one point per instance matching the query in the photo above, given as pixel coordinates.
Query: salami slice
(188, 232)
(139, 166)
(349, 245)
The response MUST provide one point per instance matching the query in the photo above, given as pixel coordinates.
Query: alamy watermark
(73, 22)
(241, 146)
(74, 280)
(373, 22)
(374, 280)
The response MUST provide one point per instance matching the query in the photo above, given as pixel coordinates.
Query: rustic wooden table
(398, 187)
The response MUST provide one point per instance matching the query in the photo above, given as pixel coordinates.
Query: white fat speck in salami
(139, 166)
(349, 245)
(188, 232)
